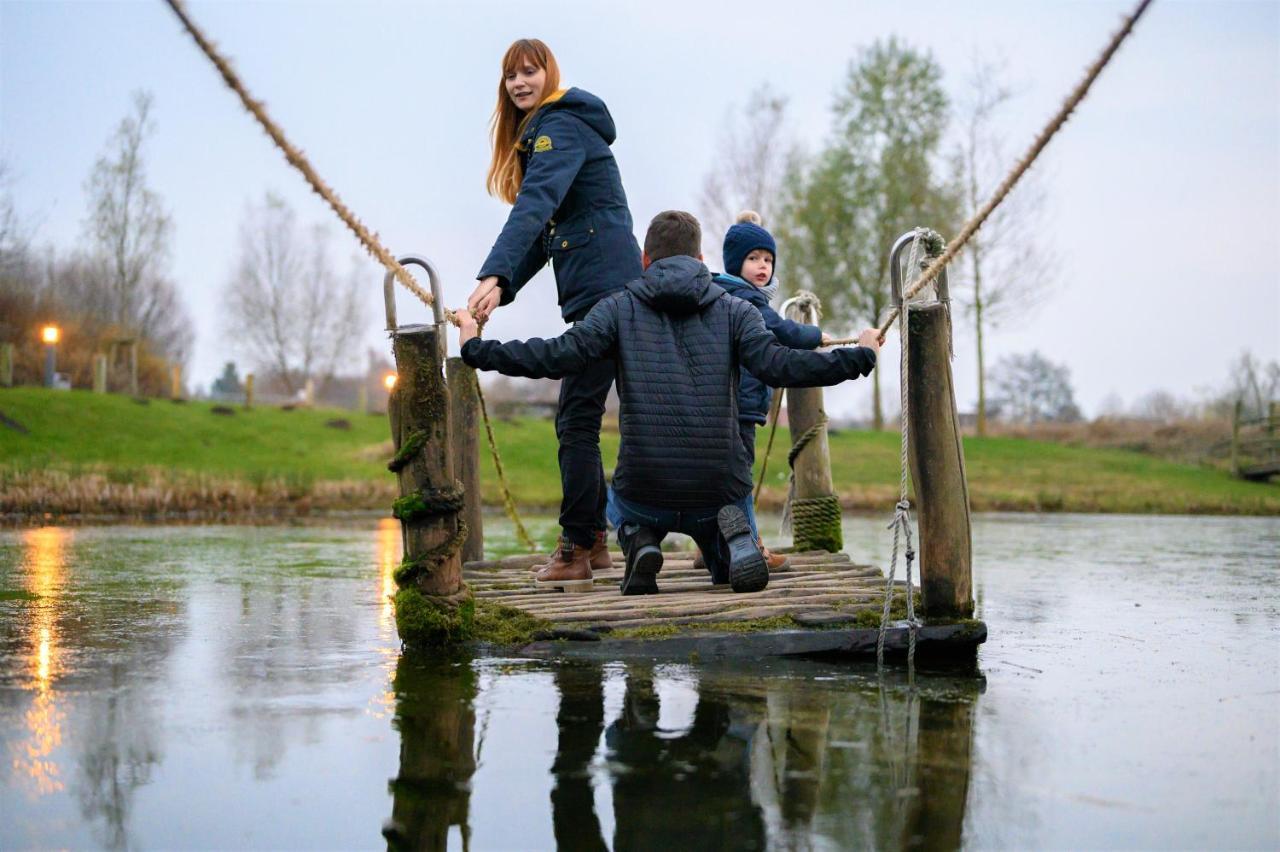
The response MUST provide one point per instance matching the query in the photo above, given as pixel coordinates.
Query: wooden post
(6, 365)
(309, 393)
(1273, 421)
(133, 367)
(815, 510)
(248, 391)
(99, 373)
(937, 466)
(175, 381)
(362, 397)
(433, 605)
(1236, 414)
(464, 431)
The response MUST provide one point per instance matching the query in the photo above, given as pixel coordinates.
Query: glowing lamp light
(389, 381)
(50, 334)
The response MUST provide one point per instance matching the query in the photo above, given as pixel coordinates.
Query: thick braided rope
(299, 161)
(508, 503)
(1020, 168)
(812, 519)
(803, 441)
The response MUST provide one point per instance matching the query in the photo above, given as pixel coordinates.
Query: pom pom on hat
(749, 216)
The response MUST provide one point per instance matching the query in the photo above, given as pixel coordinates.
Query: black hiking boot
(748, 572)
(640, 547)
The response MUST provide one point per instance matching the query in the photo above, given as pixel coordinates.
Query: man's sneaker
(568, 570)
(643, 553)
(775, 561)
(600, 558)
(748, 572)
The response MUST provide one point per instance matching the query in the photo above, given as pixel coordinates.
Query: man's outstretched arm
(780, 367)
(539, 358)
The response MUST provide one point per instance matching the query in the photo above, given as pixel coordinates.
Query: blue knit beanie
(742, 239)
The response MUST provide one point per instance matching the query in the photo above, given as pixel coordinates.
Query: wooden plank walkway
(817, 588)
(830, 601)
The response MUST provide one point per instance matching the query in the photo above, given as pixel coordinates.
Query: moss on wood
(408, 450)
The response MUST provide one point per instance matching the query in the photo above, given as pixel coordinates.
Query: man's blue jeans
(698, 524)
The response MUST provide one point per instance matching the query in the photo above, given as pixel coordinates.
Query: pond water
(243, 687)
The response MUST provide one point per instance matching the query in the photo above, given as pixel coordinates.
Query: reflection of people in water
(691, 791)
(579, 722)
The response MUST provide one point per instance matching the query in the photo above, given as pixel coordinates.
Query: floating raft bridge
(823, 604)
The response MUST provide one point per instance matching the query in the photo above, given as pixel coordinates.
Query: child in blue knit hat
(750, 256)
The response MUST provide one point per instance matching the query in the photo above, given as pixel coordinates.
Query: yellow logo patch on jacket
(542, 143)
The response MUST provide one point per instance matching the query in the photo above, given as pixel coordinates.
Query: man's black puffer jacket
(678, 340)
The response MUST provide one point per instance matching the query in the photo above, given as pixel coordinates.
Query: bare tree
(1254, 383)
(1005, 264)
(290, 313)
(1032, 389)
(751, 164)
(128, 233)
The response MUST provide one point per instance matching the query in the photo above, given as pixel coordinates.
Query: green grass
(123, 442)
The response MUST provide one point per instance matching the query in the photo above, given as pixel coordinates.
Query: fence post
(133, 367)
(362, 397)
(248, 391)
(464, 431)
(815, 510)
(99, 373)
(175, 381)
(433, 605)
(6, 364)
(1236, 414)
(1273, 421)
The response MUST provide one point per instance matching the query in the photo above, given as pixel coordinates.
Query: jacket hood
(735, 286)
(587, 108)
(676, 285)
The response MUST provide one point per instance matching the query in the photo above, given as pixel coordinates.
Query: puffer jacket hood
(735, 286)
(587, 108)
(679, 286)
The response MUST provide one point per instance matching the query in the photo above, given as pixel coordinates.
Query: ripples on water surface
(243, 687)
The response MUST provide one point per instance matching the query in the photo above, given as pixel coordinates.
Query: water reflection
(800, 756)
(33, 760)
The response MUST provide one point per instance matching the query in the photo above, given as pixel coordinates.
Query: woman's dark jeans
(581, 408)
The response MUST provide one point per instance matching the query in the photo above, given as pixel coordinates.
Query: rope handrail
(300, 162)
(1041, 140)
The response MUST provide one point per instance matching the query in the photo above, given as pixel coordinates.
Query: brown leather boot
(775, 561)
(569, 570)
(699, 561)
(600, 558)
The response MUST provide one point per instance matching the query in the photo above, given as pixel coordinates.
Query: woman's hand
(485, 298)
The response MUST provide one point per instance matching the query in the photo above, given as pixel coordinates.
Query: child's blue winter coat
(571, 209)
(754, 395)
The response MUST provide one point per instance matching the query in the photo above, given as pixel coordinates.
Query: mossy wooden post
(99, 373)
(815, 510)
(433, 605)
(6, 365)
(937, 466)
(248, 391)
(175, 381)
(464, 430)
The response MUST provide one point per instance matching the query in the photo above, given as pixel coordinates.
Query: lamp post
(50, 335)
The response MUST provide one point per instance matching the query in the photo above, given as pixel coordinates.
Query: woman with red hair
(552, 163)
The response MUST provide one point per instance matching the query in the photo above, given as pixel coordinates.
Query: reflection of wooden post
(175, 381)
(937, 466)
(433, 605)
(1236, 414)
(944, 757)
(436, 718)
(6, 365)
(815, 511)
(464, 431)
(99, 373)
(248, 391)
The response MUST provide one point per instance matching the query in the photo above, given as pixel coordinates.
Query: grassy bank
(108, 455)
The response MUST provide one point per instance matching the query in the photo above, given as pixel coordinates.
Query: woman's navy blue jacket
(571, 208)
(754, 395)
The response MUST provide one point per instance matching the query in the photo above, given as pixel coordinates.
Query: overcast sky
(1164, 188)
